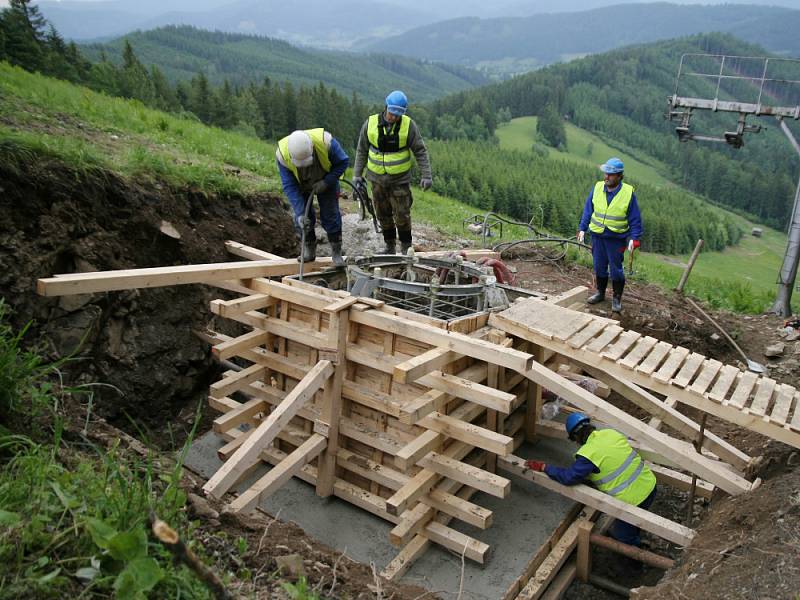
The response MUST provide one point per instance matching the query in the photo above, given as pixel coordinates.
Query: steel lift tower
(766, 84)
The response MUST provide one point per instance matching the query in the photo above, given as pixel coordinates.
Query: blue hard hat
(574, 421)
(612, 165)
(397, 103)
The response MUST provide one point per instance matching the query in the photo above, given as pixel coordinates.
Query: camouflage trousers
(393, 209)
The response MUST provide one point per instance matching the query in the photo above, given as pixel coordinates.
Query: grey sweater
(415, 144)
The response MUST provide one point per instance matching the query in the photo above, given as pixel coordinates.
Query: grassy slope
(135, 141)
(754, 261)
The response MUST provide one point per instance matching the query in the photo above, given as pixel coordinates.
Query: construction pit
(388, 408)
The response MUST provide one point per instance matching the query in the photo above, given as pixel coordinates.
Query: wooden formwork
(407, 417)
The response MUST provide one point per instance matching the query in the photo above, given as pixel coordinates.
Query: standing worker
(310, 163)
(385, 145)
(612, 214)
(606, 460)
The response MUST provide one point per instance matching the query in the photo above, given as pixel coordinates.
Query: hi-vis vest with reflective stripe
(388, 151)
(614, 215)
(623, 473)
(320, 149)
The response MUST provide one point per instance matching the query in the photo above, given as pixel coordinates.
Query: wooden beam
(669, 530)
(583, 558)
(469, 390)
(279, 475)
(235, 346)
(249, 252)
(231, 308)
(417, 448)
(236, 381)
(467, 432)
(108, 281)
(266, 432)
(468, 475)
(460, 343)
(434, 359)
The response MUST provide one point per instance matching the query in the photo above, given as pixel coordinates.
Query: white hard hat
(301, 149)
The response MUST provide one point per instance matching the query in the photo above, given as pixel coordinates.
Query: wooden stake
(689, 266)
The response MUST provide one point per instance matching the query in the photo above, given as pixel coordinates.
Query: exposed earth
(155, 372)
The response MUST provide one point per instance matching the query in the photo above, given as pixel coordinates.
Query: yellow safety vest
(388, 150)
(320, 149)
(614, 215)
(623, 473)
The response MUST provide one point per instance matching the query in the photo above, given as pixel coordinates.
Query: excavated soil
(155, 372)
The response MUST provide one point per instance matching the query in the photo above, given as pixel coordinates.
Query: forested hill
(183, 52)
(519, 44)
(621, 96)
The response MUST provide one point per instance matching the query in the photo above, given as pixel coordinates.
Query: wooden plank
(583, 556)
(237, 381)
(469, 433)
(622, 345)
(416, 409)
(795, 423)
(340, 305)
(279, 475)
(234, 347)
(688, 370)
(783, 404)
(766, 387)
(249, 252)
(242, 414)
(416, 449)
(637, 354)
(457, 542)
(669, 530)
(671, 364)
(461, 509)
(654, 359)
(680, 481)
(266, 432)
(470, 390)
(108, 281)
(569, 297)
(468, 475)
(707, 374)
(727, 376)
(587, 333)
(552, 564)
(604, 339)
(230, 308)
(434, 359)
(463, 344)
(742, 392)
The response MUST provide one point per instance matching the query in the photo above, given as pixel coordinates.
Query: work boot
(600, 294)
(309, 253)
(390, 247)
(616, 299)
(336, 254)
(404, 246)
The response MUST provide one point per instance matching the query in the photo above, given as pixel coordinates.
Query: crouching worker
(606, 460)
(310, 163)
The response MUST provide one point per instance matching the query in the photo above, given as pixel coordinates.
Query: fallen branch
(172, 542)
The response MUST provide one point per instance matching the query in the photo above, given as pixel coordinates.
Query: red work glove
(535, 465)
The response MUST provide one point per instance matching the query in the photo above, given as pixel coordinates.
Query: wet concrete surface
(522, 523)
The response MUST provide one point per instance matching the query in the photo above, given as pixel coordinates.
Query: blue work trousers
(330, 216)
(627, 533)
(607, 254)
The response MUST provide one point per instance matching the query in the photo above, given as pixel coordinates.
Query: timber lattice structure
(407, 416)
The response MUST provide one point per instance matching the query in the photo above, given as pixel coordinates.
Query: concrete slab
(522, 523)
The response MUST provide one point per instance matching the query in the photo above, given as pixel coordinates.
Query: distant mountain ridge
(183, 52)
(544, 39)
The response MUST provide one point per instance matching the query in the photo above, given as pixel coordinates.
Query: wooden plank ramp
(745, 399)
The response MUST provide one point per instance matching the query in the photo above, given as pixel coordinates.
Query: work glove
(581, 235)
(633, 244)
(535, 465)
(357, 181)
(319, 187)
(304, 222)
(425, 183)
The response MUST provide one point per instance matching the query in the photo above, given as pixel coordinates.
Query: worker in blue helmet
(386, 144)
(611, 213)
(606, 460)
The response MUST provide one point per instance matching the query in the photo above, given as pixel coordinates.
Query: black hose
(365, 203)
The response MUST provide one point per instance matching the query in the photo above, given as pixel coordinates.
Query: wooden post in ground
(698, 445)
(689, 267)
(584, 552)
(338, 327)
(533, 402)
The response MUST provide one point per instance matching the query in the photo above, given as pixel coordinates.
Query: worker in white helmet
(310, 162)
